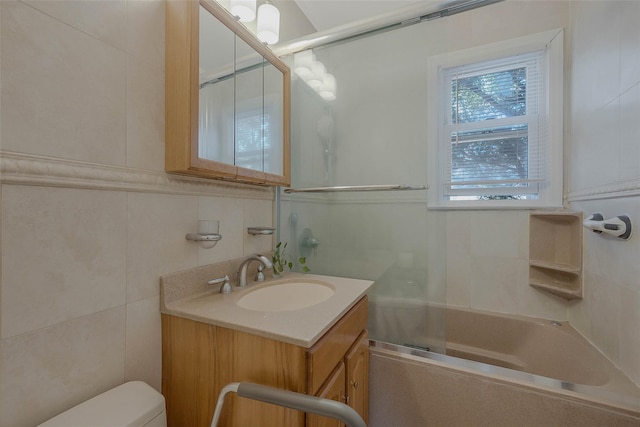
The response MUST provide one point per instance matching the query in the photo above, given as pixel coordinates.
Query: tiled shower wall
(604, 172)
(89, 220)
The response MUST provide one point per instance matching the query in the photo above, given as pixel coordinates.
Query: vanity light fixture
(328, 89)
(302, 63)
(268, 27)
(208, 234)
(314, 73)
(245, 10)
(318, 72)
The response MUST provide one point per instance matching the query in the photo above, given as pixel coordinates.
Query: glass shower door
(372, 133)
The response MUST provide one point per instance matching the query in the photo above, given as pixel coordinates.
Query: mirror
(274, 119)
(249, 111)
(216, 89)
(227, 98)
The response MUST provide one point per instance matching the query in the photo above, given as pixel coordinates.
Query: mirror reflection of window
(216, 95)
(253, 143)
(215, 133)
(274, 111)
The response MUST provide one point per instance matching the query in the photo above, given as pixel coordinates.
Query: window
(497, 141)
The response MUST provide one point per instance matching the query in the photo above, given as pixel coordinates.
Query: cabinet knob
(354, 383)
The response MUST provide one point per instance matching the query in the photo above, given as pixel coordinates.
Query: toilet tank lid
(131, 404)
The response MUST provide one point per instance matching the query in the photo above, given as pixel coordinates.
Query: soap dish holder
(260, 231)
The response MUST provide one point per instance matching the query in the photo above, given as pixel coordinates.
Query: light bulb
(268, 27)
(245, 10)
(328, 89)
(302, 62)
(318, 71)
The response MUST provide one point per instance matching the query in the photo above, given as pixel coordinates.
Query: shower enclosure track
(345, 188)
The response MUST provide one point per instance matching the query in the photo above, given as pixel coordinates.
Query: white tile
(629, 125)
(459, 230)
(459, 281)
(144, 342)
(580, 178)
(630, 40)
(64, 93)
(257, 213)
(629, 337)
(48, 371)
(156, 243)
(145, 116)
(104, 20)
(602, 145)
(578, 312)
(596, 50)
(499, 233)
(146, 32)
(494, 284)
(63, 255)
(604, 306)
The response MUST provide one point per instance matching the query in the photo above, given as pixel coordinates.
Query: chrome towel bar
(345, 188)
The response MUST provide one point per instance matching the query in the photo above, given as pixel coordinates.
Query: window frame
(550, 193)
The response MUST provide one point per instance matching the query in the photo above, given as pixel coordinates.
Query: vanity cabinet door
(339, 365)
(334, 389)
(357, 364)
(330, 350)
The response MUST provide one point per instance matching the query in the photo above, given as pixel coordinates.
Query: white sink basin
(289, 295)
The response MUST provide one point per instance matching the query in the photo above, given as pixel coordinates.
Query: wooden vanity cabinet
(357, 363)
(335, 389)
(349, 383)
(199, 359)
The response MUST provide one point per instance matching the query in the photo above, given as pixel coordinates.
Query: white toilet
(132, 404)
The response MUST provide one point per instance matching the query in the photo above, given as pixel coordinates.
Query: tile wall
(85, 242)
(79, 291)
(488, 251)
(604, 172)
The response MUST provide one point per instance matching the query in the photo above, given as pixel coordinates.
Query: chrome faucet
(242, 271)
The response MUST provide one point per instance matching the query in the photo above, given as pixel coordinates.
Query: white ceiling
(326, 14)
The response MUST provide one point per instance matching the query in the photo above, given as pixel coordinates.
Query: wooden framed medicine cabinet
(227, 98)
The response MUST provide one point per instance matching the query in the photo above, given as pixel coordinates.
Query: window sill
(492, 205)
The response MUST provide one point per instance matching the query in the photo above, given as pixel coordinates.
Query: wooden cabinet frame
(199, 359)
(182, 96)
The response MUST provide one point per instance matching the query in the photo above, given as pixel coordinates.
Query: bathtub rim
(594, 395)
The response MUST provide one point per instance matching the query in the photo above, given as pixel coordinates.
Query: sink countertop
(302, 327)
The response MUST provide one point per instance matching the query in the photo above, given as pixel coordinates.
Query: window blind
(494, 135)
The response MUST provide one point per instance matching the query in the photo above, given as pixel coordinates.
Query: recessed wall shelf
(555, 252)
(260, 231)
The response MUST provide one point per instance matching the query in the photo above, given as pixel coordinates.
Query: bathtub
(499, 370)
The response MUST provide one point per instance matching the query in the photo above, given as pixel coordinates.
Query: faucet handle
(226, 286)
(266, 262)
(260, 277)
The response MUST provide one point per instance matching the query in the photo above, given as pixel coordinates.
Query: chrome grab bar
(289, 399)
(344, 188)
